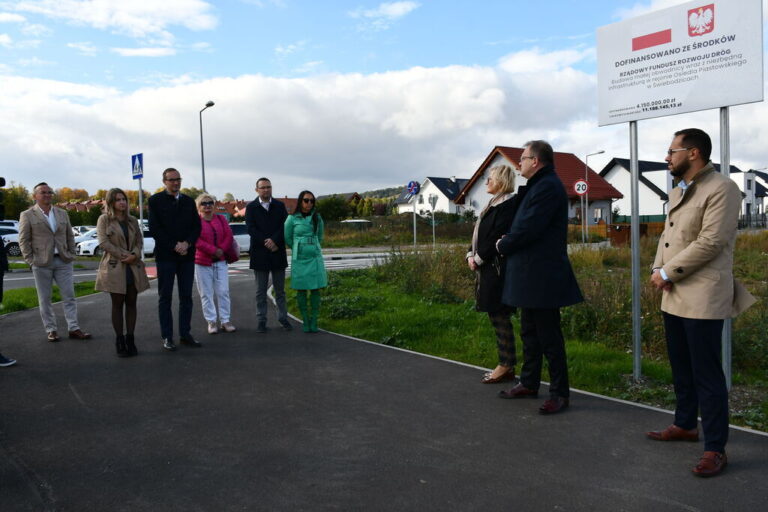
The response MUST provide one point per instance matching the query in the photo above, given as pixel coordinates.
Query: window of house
(598, 214)
(421, 198)
(749, 184)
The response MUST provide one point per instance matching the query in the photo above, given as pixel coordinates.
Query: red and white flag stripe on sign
(650, 40)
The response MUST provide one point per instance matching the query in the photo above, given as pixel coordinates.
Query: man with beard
(694, 268)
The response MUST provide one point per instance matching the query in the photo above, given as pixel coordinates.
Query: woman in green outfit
(304, 234)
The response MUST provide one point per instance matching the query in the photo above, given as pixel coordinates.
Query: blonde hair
(202, 197)
(504, 176)
(109, 202)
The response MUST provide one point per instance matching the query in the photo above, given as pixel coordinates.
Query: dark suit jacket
(539, 274)
(172, 221)
(490, 275)
(3, 257)
(263, 224)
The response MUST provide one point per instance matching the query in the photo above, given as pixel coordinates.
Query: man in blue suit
(539, 278)
(265, 217)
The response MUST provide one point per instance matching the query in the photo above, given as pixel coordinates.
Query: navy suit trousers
(542, 337)
(694, 348)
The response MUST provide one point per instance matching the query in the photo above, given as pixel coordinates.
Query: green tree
(192, 192)
(228, 197)
(17, 199)
(333, 208)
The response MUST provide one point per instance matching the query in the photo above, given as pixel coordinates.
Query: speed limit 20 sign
(581, 187)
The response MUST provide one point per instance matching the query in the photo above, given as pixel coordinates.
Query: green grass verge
(358, 304)
(26, 298)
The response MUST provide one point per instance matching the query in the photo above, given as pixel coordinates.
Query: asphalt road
(288, 421)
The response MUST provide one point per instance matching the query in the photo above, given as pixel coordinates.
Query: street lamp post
(202, 155)
(586, 178)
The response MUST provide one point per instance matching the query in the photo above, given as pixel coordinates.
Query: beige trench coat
(111, 275)
(696, 249)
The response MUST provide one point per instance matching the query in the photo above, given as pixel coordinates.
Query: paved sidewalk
(295, 421)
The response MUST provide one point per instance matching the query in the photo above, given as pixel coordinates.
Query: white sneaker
(228, 327)
(212, 328)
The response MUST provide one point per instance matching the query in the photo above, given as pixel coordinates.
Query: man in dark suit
(265, 217)
(175, 225)
(4, 361)
(539, 279)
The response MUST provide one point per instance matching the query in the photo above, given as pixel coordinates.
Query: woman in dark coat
(487, 263)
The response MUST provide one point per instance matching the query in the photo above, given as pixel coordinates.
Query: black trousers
(542, 337)
(167, 272)
(694, 348)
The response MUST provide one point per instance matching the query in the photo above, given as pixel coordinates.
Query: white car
(91, 247)
(11, 240)
(243, 239)
(81, 230)
(88, 235)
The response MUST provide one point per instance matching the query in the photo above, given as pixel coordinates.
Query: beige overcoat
(37, 241)
(111, 274)
(696, 249)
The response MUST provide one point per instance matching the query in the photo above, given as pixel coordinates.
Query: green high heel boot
(314, 300)
(301, 300)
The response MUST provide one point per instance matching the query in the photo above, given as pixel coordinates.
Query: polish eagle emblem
(701, 20)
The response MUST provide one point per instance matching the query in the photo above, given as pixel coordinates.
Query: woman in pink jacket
(211, 271)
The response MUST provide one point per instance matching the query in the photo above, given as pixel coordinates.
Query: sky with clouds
(332, 96)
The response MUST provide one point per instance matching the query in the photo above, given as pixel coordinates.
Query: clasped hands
(659, 281)
(181, 248)
(271, 245)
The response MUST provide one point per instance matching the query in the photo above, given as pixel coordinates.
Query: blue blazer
(538, 271)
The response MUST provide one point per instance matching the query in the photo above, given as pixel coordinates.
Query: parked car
(9, 224)
(81, 230)
(91, 247)
(11, 240)
(240, 231)
(88, 235)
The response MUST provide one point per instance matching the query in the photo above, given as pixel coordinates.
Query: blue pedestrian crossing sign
(137, 166)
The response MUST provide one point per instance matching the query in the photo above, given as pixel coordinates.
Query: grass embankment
(26, 298)
(424, 303)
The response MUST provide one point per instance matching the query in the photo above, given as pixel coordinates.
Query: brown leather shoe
(711, 464)
(53, 337)
(674, 433)
(519, 391)
(79, 335)
(554, 405)
(509, 375)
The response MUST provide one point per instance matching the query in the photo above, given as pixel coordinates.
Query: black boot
(130, 346)
(122, 351)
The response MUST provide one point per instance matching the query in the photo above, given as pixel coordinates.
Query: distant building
(569, 169)
(444, 190)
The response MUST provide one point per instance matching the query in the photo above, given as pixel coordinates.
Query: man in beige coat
(694, 268)
(48, 246)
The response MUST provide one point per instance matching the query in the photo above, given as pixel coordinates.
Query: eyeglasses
(206, 203)
(264, 188)
(46, 193)
(670, 151)
(308, 200)
(524, 157)
(488, 180)
(173, 179)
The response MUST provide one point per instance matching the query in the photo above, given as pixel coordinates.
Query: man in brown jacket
(694, 268)
(48, 246)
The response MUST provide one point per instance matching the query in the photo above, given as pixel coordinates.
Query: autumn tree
(17, 199)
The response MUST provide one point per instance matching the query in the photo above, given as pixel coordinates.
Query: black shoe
(286, 325)
(122, 351)
(130, 346)
(169, 345)
(190, 342)
(262, 327)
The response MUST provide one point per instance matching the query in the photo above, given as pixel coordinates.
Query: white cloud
(330, 132)
(641, 8)
(136, 18)
(382, 17)
(7, 17)
(145, 52)
(34, 62)
(6, 40)
(85, 48)
(201, 47)
(36, 30)
(309, 67)
(282, 50)
(5, 69)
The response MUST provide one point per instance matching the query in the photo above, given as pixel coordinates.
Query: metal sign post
(581, 188)
(725, 169)
(413, 189)
(137, 169)
(433, 202)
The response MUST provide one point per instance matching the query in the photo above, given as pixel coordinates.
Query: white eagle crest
(699, 22)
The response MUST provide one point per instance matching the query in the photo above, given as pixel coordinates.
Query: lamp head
(209, 104)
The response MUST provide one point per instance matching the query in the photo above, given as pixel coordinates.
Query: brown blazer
(37, 241)
(111, 274)
(696, 249)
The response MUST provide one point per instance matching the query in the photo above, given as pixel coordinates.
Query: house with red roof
(569, 169)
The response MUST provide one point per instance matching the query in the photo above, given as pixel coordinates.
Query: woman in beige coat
(121, 271)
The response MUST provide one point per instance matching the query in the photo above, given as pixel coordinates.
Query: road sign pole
(141, 213)
(725, 170)
(634, 171)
